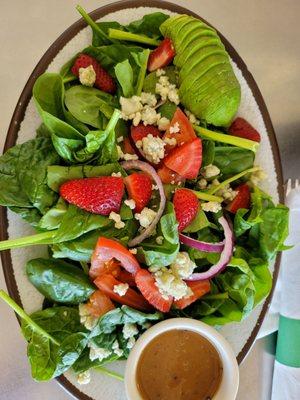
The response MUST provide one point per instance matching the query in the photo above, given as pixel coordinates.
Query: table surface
(264, 32)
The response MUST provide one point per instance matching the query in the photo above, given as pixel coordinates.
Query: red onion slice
(224, 258)
(202, 246)
(145, 167)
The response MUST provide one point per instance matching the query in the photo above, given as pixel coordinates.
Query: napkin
(286, 376)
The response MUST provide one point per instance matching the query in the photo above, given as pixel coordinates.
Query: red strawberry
(167, 175)
(103, 79)
(241, 200)
(146, 284)
(96, 195)
(241, 128)
(162, 55)
(127, 146)
(141, 131)
(186, 207)
(139, 188)
(186, 159)
(199, 289)
(186, 130)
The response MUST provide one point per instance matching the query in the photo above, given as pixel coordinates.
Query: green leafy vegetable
(232, 160)
(124, 74)
(59, 281)
(131, 37)
(152, 79)
(148, 25)
(141, 59)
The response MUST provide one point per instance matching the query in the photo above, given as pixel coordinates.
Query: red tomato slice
(131, 298)
(241, 200)
(199, 288)
(186, 131)
(146, 284)
(99, 304)
(108, 249)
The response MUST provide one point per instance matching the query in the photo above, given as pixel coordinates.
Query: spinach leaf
(199, 222)
(23, 170)
(30, 215)
(141, 60)
(152, 79)
(167, 110)
(232, 160)
(208, 152)
(52, 218)
(124, 74)
(57, 175)
(148, 25)
(59, 281)
(162, 254)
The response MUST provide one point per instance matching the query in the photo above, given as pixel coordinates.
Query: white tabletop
(264, 32)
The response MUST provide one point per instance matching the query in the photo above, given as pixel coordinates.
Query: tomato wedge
(186, 131)
(108, 249)
(99, 304)
(199, 288)
(146, 284)
(131, 298)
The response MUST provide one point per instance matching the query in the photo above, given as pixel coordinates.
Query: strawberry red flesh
(241, 128)
(100, 195)
(186, 159)
(186, 206)
(162, 55)
(104, 80)
(139, 188)
(241, 200)
(140, 131)
(186, 131)
(199, 289)
(168, 176)
(146, 284)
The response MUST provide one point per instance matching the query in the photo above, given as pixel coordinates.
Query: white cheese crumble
(84, 377)
(133, 251)
(192, 117)
(159, 239)
(170, 141)
(149, 116)
(86, 319)
(119, 224)
(149, 99)
(120, 139)
(154, 268)
(160, 72)
(153, 148)
(226, 192)
(130, 106)
(154, 187)
(131, 343)
(170, 284)
(116, 174)
(116, 348)
(183, 266)
(211, 206)
(163, 124)
(87, 76)
(202, 183)
(175, 128)
(129, 330)
(146, 217)
(126, 156)
(210, 171)
(130, 203)
(121, 289)
(98, 353)
(167, 90)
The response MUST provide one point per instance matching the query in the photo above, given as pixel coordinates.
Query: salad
(142, 183)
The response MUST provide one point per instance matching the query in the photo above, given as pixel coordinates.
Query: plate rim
(18, 116)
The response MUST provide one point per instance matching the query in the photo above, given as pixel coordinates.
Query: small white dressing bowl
(230, 379)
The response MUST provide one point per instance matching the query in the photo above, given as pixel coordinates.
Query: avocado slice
(199, 45)
(186, 30)
(195, 35)
(177, 26)
(169, 23)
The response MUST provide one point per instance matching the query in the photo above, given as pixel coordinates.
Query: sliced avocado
(195, 35)
(169, 23)
(186, 30)
(151, 79)
(177, 26)
(186, 55)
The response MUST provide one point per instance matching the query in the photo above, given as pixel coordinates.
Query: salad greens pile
(81, 129)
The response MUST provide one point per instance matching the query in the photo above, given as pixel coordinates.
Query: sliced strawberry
(108, 249)
(186, 131)
(139, 188)
(199, 288)
(103, 79)
(100, 195)
(162, 55)
(140, 131)
(168, 176)
(241, 200)
(186, 206)
(127, 146)
(241, 128)
(99, 304)
(126, 277)
(146, 284)
(131, 298)
(186, 159)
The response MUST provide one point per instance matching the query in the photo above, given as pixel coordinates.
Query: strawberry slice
(162, 55)
(241, 200)
(186, 159)
(241, 128)
(140, 131)
(186, 206)
(186, 131)
(127, 146)
(139, 188)
(99, 304)
(146, 284)
(103, 79)
(126, 277)
(100, 195)
(168, 176)
(131, 298)
(199, 288)
(108, 249)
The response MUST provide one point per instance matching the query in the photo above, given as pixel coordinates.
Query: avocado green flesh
(206, 41)
(207, 84)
